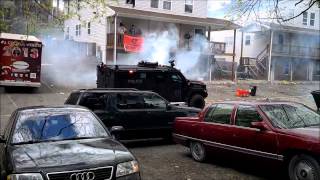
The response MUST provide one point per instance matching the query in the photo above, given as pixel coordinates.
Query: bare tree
(249, 8)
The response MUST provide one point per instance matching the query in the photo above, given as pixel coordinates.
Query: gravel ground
(161, 160)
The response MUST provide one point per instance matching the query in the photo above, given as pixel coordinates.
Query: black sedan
(58, 143)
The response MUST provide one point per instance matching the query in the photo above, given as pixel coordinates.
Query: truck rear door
(20, 62)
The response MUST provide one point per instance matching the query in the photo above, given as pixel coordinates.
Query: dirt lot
(160, 160)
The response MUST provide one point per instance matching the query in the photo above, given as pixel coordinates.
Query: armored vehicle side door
(175, 87)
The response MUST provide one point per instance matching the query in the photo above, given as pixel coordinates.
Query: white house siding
(257, 43)
(289, 9)
(150, 26)
(100, 28)
(177, 7)
(97, 34)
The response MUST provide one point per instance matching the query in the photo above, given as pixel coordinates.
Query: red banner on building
(133, 43)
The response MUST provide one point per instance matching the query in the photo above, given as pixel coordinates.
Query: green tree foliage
(38, 16)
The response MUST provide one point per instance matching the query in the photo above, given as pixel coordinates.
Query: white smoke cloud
(158, 45)
(65, 66)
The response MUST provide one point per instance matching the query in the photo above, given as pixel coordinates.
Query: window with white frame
(248, 40)
(167, 4)
(188, 7)
(305, 18)
(316, 68)
(312, 18)
(154, 3)
(198, 31)
(89, 27)
(78, 5)
(228, 41)
(280, 39)
(67, 33)
(286, 68)
(291, 13)
(77, 30)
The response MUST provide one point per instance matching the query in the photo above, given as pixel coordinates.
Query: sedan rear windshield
(55, 125)
(291, 116)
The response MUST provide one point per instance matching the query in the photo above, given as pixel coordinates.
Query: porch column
(233, 54)
(104, 54)
(291, 69)
(310, 70)
(209, 33)
(115, 41)
(241, 52)
(270, 57)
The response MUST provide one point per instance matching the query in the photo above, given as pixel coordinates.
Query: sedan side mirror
(115, 131)
(259, 125)
(169, 107)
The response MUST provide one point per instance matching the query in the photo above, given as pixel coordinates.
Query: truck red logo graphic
(34, 53)
(16, 52)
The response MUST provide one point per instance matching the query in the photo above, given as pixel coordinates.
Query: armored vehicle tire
(197, 101)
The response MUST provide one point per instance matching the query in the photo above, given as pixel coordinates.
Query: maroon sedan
(282, 131)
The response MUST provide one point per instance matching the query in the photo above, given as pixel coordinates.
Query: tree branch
(284, 20)
(298, 2)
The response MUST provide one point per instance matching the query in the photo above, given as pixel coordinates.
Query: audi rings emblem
(82, 176)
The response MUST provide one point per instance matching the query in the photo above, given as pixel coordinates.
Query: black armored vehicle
(167, 81)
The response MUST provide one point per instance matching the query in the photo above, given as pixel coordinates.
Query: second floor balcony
(215, 48)
(296, 51)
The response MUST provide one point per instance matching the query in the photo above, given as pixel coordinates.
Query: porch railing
(110, 40)
(291, 50)
(217, 48)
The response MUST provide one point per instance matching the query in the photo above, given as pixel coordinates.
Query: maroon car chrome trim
(233, 148)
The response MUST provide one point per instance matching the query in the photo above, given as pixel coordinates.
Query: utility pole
(270, 57)
(234, 54)
(115, 41)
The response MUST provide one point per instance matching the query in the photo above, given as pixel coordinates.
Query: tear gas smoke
(66, 66)
(65, 63)
(158, 45)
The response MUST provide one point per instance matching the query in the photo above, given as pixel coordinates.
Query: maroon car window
(301, 116)
(209, 113)
(221, 114)
(246, 114)
(276, 114)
